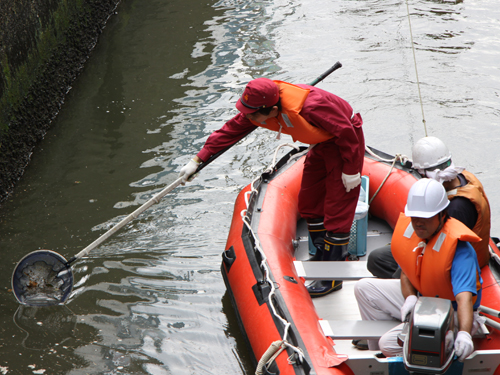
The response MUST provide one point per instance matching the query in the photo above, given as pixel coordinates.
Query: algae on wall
(43, 46)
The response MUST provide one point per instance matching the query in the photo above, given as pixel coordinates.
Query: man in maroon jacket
(332, 171)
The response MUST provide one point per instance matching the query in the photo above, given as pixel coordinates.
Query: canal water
(164, 75)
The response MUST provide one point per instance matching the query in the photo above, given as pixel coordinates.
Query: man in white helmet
(468, 202)
(436, 260)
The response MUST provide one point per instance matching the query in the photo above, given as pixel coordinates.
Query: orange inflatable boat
(288, 332)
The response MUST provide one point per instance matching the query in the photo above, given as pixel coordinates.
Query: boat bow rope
(402, 158)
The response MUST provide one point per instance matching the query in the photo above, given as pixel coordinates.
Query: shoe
(316, 257)
(329, 252)
(320, 288)
(352, 258)
(360, 344)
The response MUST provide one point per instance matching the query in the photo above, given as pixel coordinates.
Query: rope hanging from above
(416, 70)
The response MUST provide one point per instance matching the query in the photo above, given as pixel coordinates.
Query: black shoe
(320, 288)
(352, 258)
(360, 344)
(316, 257)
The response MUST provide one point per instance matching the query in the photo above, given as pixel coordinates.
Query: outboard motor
(428, 338)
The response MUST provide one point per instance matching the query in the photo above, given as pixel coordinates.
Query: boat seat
(368, 329)
(356, 329)
(332, 270)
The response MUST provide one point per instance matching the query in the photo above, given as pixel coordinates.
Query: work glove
(187, 171)
(477, 322)
(463, 345)
(351, 181)
(408, 306)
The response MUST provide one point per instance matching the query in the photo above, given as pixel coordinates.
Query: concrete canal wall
(43, 46)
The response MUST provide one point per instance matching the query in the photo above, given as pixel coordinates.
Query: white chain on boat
(278, 346)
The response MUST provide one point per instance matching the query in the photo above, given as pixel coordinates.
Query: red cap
(259, 93)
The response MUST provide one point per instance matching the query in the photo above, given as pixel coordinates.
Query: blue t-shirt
(463, 272)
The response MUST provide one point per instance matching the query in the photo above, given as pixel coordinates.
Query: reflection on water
(164, 75)
(45, 326)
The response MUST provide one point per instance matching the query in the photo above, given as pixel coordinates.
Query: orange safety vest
(289, 120)
(429, 267)
(475, 193)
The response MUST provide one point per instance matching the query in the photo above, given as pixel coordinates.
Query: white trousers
(381, 299)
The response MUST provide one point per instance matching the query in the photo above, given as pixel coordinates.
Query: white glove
(351, 181)
(187, 171)
(408, 306)
(463, 345)
(477, 322)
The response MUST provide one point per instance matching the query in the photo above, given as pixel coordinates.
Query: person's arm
(197, 159)
(464, 346)
(464, 279)
(410, 295)
(407, 287)
(465, 311)
(232, 131)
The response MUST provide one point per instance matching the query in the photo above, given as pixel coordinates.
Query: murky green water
(165, 74)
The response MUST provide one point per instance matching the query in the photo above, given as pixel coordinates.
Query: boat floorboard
(342, 305)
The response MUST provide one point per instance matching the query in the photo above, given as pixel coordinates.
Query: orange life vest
(289, 120)
(475, 193)
(428, 266)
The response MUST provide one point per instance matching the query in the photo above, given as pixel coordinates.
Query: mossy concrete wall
(43, 46)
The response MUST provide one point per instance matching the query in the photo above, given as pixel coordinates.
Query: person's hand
(351, 181)
(477, 322)
(463, 345)
(187, 171)
(408, 306)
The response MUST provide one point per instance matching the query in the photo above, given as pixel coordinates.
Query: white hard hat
(426, 198)
(429, 152)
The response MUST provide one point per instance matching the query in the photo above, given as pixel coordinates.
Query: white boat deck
(341, 305)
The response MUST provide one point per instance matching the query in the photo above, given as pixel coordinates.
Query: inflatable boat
(265, 274)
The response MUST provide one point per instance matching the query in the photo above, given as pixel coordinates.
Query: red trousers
(322, 193)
